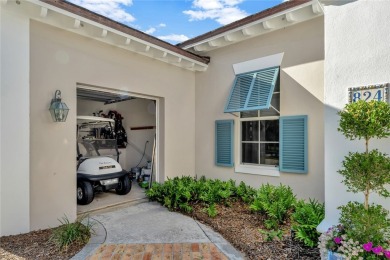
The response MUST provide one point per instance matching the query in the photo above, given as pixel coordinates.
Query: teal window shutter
(293, 144)
(224, 130)
(252, 90)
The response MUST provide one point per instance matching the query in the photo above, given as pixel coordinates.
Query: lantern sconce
(58, 110)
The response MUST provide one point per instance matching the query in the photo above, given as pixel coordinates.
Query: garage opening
(116, 147)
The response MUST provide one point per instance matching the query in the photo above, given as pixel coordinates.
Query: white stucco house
(254, 101)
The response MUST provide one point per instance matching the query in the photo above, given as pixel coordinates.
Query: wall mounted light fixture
(58, 110)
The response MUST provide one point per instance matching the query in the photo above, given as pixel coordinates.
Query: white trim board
(258, 64)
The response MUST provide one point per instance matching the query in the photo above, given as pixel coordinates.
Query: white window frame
(258, 169)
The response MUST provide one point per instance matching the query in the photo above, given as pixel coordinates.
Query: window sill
(258, 170)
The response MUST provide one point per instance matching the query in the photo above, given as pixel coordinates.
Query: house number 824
(369, 93)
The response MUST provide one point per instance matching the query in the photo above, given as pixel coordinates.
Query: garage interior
(135, 154)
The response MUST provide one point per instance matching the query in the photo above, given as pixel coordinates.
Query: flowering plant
(336, 240)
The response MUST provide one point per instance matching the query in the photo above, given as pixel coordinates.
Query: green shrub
(216, 191)
(69, 233)
(179, 193)
(271, 234)
(370, 171)
(175, 193)
(185, 207)
(306, 218)
(212, 211)
(365, 120)
(246, 193)
(275, 202)
(367, 172)
(365, 225)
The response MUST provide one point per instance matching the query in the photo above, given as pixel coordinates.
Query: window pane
(269, 154)
(247, 114)
(250, 153)
(269, 130)
(250, 131)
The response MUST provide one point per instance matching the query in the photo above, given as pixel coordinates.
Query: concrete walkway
(149, 231)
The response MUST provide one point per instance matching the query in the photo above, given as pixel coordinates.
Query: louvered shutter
(252, 90)
(293, 144)
(224, 142)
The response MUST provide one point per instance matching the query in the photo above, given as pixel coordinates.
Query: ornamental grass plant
(69, 233)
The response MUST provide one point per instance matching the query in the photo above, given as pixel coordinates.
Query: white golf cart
(98, 168)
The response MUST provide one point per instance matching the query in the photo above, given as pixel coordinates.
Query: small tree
(369, 171)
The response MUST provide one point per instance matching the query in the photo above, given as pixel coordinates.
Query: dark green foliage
(179, 193)
(367, 172)
(275, 202)
(246, 193)
(175, 193)
(365, 120)
(212, 211)
(365, 225)
(69, 233)
(306, 218)
(270, 235)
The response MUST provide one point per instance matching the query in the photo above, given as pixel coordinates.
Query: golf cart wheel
(124, 185)
(84, 193)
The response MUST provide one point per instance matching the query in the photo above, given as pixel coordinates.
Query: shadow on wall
(307, 75)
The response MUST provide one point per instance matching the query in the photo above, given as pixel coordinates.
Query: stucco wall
(301, 94)
(14, 113)
(357, 54)
(60, 60)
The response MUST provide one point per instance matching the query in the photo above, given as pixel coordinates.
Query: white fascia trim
(109, 29)
(115, 91)
(254, 23)
(258, 64)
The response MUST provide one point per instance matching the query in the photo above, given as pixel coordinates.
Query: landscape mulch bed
(236, 223)
(34, 245)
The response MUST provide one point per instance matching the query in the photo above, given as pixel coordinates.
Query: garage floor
(109, 199)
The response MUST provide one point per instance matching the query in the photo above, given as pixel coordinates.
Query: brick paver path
(185, 251)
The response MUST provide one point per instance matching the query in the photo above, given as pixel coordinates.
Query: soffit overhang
(284, 15)
(73, 18)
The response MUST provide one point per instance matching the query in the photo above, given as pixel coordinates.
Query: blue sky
(176, 20)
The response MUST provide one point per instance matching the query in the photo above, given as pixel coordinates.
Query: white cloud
(208, 4)
(222, 11)
(151, 30)
(232, 2)
(229, 15)
(113, 9)
(174, 38)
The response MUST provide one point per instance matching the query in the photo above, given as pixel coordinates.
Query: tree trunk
(366, 195)
(367, 192)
